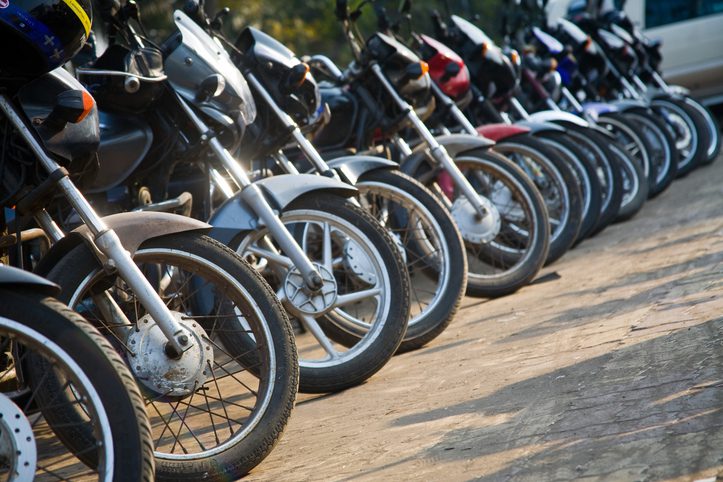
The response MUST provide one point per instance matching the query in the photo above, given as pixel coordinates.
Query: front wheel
(219, 409)
(688, 129)
(433, 249)
(558, 185)
(62, 365)
(353, 325)
(507, 247)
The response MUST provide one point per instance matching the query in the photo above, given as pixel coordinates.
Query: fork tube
(521, 111)
(572, 100)
(660, 81)
(306, 147)
(105, 239)
(640, 84)
(255, 198)
(454, 110)
(438, 152)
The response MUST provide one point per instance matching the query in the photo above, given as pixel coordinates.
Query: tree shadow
(648, 411)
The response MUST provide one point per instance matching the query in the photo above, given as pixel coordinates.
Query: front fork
(256, 200)
(105, 239)
(438, 152)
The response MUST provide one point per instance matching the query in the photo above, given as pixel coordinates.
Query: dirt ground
(609, 367)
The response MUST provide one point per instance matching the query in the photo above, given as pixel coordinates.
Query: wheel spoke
(313, 327)
(348, 298)
(326, 247)
(275, 258)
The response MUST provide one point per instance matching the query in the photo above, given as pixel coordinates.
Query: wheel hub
(472, 228)
(164, 376)
(17, 442)
(306, 301)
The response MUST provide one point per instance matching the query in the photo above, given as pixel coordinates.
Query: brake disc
(17, 441)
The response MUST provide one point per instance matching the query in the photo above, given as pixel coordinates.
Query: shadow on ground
(650, 411)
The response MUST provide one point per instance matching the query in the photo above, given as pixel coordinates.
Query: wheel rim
(579, 171)
(238, 390)
(660, 157)
(21, 343)
(603, 170)
(513, 246)
(315, 345)
(426, 255)
(549, 183)
(686, 140)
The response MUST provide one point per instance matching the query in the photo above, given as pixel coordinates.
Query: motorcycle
(496, 207)
(552, 176)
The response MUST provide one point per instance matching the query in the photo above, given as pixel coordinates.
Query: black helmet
(39, 35)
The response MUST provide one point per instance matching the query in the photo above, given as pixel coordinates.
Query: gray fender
(625, 105)
(351, 168)
(235, 215)
(536, 127)
(132, 228)
(558, 116)
(11, 277)
(454, 144)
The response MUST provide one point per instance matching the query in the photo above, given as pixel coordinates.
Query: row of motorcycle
(214, 223)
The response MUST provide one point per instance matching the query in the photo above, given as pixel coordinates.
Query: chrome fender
(536, 127)
(235, 215)
(454, 144)
(625, 105)
(132, 228)
(558, 116)
(351, 168)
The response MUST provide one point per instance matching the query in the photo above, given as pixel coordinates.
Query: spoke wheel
(219, 418)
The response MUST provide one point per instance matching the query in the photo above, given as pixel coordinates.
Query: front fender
(133, 229)
(351, 168)
(625, 105)
(456, 144)
(12, 278)
(536, 127)
(558, 116)
(499, 132)
(235, 215)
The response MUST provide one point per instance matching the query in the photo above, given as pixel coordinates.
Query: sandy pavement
(610, 367)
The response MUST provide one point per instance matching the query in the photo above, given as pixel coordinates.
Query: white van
(692, 35)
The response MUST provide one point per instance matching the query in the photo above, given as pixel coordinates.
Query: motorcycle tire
(556, 181)
(365, 255)
(434, 252)
(252, 368)
(586, 175)
(51, 342)
(689, 130)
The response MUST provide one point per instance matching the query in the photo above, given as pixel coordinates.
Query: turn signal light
(553, 64)
(88, 103)
(588, 43)
(515, 57)
(484, 48)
